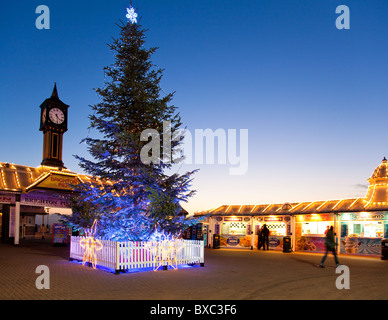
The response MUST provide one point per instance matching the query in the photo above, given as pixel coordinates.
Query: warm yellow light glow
(322, 205)
(364, 215)
(354, 202)
(17, 179)
(296, 206)
(267, 207)
(315, 217)
(30, 175)
(337, 204)
(307, 206)
(374, 189)
(3, 178)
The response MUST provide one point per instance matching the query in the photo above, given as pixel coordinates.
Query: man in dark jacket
(330, 246)
(265, 235)
(259, 238)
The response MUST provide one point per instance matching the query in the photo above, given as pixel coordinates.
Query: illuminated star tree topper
(131, 15)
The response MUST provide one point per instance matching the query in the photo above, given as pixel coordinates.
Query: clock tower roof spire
(55, 92)
(54, 99)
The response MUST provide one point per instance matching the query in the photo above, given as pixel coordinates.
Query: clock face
(56, 116)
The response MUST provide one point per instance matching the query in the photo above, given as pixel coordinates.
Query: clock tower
(53, 123)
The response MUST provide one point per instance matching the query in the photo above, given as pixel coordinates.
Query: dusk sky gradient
(314, 98)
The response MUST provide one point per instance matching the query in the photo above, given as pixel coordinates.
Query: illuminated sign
(59, 233)
(273, 218)
(57, 181)
(7, 198)
(314, 217)
(233, 219)
(364, 216)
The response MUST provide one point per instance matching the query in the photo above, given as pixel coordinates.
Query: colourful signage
(57, 181)
(233, 219)
(364, 216)
(361, 246)
(275, 242)
(311, 244)
(59, 233)
(273, 219)
(314, 217)
(232, 241)
(39, 200)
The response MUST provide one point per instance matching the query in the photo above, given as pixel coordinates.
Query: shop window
(277, 229)
(369, 229)
(358, 229)
(235, 228)
(315, 228)
(225, 228)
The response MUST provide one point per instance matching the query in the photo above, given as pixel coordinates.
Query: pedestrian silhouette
(330, 246)
(265, 235)
(259, 238)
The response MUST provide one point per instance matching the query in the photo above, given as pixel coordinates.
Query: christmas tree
(130, 197)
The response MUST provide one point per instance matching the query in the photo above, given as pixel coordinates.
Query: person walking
(265, 235)
(330, 246)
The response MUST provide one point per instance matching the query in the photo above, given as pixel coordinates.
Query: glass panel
(237, 228)
(225, 228)
(357, 229)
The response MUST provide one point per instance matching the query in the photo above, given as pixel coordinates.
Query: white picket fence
(122, 256)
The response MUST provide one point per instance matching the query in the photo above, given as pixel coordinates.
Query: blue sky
(314, 98)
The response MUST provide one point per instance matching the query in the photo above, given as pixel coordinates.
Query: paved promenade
(227, 275)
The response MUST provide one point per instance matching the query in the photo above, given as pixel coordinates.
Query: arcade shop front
(240, 232)
(361, 232)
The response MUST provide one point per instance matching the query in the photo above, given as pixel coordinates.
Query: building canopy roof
(21, 179)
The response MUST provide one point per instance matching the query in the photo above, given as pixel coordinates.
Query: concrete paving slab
(227, 275)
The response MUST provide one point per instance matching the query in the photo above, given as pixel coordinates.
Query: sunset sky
(312, 97)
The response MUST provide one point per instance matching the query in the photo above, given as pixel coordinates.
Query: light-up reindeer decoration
(165, 250)
(91, 246)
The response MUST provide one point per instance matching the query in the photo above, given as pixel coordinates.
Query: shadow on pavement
(45, 247)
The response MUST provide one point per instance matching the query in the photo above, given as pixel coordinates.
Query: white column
(337, 230)
(211, 231)
(17, 219)
(42, 227)
(252, 234)
(293, 232)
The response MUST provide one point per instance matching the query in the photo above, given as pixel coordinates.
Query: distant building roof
(21, 179)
